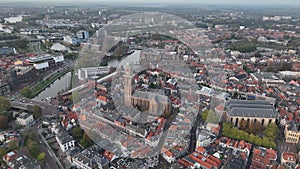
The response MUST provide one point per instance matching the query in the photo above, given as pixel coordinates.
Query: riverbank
(37, 89)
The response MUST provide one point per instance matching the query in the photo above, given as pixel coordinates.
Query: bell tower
(127, 85)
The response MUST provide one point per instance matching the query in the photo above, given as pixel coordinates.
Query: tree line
(268, 140)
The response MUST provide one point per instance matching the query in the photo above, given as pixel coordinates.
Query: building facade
(292, 133)
(257, 111)
(4, 89)
(65, 141)
(24, 119)
(288, 159)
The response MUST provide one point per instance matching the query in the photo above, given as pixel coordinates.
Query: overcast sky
(239, 2)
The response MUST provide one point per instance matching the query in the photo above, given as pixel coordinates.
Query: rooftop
(24, 115)
(250, 108)
(288, 156)
(64, 137)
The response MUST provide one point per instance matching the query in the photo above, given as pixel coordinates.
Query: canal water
(60, 84)
(132, 58)
(63, 82)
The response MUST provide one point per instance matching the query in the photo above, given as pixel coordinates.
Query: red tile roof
(201, 162)
(72, 115)
(200, 150)
(289, 156)
(108, 155)
(102, 98)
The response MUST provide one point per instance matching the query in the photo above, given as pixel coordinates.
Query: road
(47, 110)
(193, 132)
(282, 146)
(50, 162)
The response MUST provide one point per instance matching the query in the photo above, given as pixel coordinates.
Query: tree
(244, 46)
(48, 44)
(86, 141)
(152, 86)
(26, 92)
(265, 142)
(251, 138)
(212, 117)
(4, 104)
(272, 144)
(37, 111)
(33, 147)
(75, 97)
(204, 115)
(235, 95)
(3, 122)
(41, 156)
(77, 133)
(257, 140)
(271, 131)
(243, 124)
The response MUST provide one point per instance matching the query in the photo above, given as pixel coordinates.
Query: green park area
(268, 140)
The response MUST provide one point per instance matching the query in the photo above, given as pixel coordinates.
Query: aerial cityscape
(149, 84)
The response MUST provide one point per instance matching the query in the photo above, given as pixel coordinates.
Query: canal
(132, 58)
(58, 85)
(63, 82)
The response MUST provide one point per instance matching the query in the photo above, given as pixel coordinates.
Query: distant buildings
(257, 111)
(90, 72)
(24, 119)
(13, 19)
(203, 90)
(289, 74)
(71, 40)
(58, 47)
(45, 61)
(5, 51)
(276, 18)
(267, 78)
(82, 35)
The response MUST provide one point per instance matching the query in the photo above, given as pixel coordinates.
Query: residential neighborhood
(92, 85)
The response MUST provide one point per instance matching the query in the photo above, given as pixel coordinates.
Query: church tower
(127, 85)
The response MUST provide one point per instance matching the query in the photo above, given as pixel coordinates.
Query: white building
(203, 90)
(24, 119)
(82, 35)
(65, 141)
(58, 47)
(13, 19)
(169, 157)
(71, 40)
(41, 65)
(205, 138)
(86, 73)
(2, 136)
(43, 61)
(58, 58)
